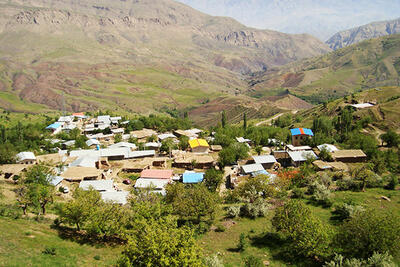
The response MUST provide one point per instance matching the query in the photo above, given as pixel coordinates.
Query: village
(116, 162)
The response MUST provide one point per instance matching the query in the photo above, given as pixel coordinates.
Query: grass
(23, 241)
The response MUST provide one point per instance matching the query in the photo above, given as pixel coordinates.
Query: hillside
(384, 115)
(369, 64)
(365, 32)
(91, 55)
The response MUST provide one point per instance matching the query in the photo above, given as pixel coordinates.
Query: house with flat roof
(267, 161)
(55, 128)
(199, 146)
(193, 177)
(98, 185)
(349, 156)
(299, 157)
(25, 158)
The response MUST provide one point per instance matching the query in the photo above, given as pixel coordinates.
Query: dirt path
(268, 121)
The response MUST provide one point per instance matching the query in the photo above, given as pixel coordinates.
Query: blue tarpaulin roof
(55, 125)
(301, 131)
(193, 178)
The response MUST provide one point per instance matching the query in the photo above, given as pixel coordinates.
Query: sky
(321, 18)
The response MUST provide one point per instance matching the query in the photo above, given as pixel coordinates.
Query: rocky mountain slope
(368, 64)
(365, 32)
(125, 54)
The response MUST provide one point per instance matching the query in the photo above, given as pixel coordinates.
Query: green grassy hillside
(362, 66)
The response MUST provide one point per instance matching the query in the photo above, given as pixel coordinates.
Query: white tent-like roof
(328, 147)
(119, 197)
(300, 156)
(156, 183)
(264, 159)
(250, 168)
(25, 156)
(98, 185)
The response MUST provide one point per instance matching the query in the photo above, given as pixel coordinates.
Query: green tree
(213, 179)
(78, 210)
(183, 142)
(167, 146)
(161, 243)
(233, 153)
(255, 188)
(308, 236)
(370, 231)
(117, 138)
(23, 198)
(223, 119)
(194, 204)
(244, 121)
(391, 138)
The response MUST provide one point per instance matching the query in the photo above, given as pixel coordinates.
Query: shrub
(376, 260)
(243, 242)
(346, 211)
(220, 228)
(259, 208)
(10, 211)
(322, 195)
(233, 211)
(368, 232)
(252, 261)
(393, 182)
(213, 261)
(50, 251)
(61, 189)
(97, 257)
(298, 193)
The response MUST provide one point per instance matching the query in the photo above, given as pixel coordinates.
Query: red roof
(78, 114)
(156, 174)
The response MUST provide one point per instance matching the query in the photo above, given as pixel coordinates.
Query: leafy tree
(308, 236)
(244, 121)
(193, 204)
(213, 179)
(223, 119)
(167, 146)
(258, 150)
(41, 195)
(255, 188)
(78, 211)
(161, 243)
(368, 232)
(117, 138)
(391, 138)
(233, 153)
(243, 243)
(7, 153)
(252, 261)
(183, 142)
(23, 198)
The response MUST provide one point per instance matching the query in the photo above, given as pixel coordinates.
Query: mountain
(369, 64)
(130, 55)
(318, 18)
(365, 32)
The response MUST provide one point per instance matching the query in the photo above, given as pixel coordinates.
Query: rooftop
(301, 131)
(193, 177)
(156, 174)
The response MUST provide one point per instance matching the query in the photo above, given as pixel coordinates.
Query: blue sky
(321, 18)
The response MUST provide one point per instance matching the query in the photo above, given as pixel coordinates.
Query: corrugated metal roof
(250, 168)
(264, 172)
(92, 142)
(198, 143)
(301, 131)
(166, 136)
(298, 148)
(327, 147)
(55, 180)
(123, 144)
(156, 183)
(264, 159)
(25, 156)
(98, 185)
(119, 197)
(141, 154)
(193, 177)
(299, 156)
(85, 161)
(54, 126)
(156, 174)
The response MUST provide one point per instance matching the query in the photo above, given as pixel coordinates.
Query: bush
(258, 208)
(10, 211)
(368, 232)
(252, 261)
(393, 182)
(233, 211)
(376, 260)
(346, 211)
(61, 189)
(298, 193)
(220, 228)
(213, 261)
(243, 242)
(322, 195)
(97, 257)
(50, 251)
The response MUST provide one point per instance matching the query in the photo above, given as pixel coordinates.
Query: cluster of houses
(104, 166)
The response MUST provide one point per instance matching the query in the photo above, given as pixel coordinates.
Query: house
(123, 144)
(297, 148)
(115, 120)
(327, 147)
(199, 146)
(141, 154)
(216, 148)
(362, 105)
(252, 168)
(299, 157)
(79, 116)
(143, 134)
(55, 180)
(165, 136)
(156, 174)
(55, 128)
(193, 177)
(336, 166)
(118, 197)
(106, 119)
(152, 145)
(77, 174)
(243, 140)
(349, 156)
(158, 185)
(98, 185)
(85, 161)
(267, 161)
(186, 133)
(69, 127)
(187, 160)
(68, 144)
(11, 170)
(92, 143)
(25, 158)
(66, 119)
(299, 135)
(118, 131)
